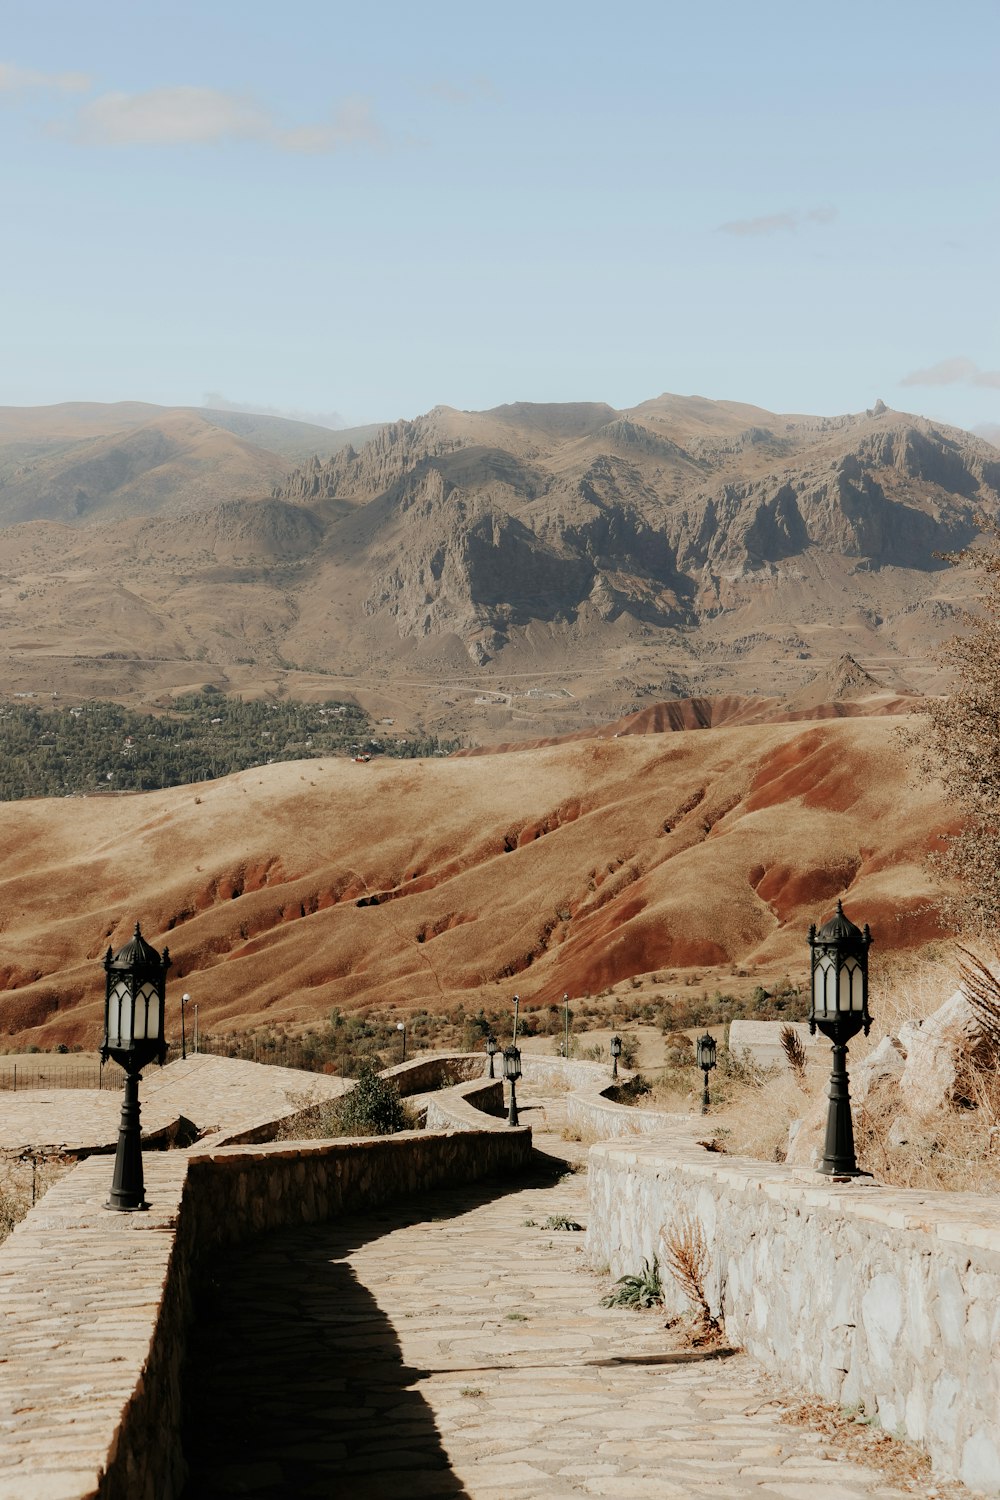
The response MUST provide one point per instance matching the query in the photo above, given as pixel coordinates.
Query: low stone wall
(464, 1107)
(95, 1305)
(883, 1296)
(594, 1118)
(435, 1070)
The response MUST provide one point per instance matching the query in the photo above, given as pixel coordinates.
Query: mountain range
(513, 573)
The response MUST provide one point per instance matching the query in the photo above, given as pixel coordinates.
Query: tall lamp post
(839, 1007)
(616, 1052)
(566, 1027)
(705, 1056)
(185, 1002)
(512, 1072)
(401, 1027)
(134, 996)
(491, 1051)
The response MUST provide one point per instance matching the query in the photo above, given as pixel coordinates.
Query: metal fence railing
(43, 1073)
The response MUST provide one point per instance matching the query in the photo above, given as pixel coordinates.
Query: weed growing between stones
(687, 1261)
(560, 1221)
(644, 1290)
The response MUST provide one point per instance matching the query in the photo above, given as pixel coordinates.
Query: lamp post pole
(517, 1004)
(491, 1051)
(566, 1027)
(401, 1028)
(197, 1034)
(616, 1052)
(512, 1072)
(134, 996)
(705, 1050)
(839, 1008)
(185, 1002)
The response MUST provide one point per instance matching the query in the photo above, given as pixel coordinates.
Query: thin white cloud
(215, 401)
(959, 370)
(460, 94)
(786, 223)
(14, 80)
(191, 115)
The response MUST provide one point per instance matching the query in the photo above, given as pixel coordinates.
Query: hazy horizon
(346, 217)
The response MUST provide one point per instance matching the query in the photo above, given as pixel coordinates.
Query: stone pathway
(446, 1348)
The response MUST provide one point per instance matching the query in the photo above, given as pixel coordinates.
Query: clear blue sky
(369, 209)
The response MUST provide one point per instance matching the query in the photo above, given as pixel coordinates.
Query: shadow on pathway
(295, 1384)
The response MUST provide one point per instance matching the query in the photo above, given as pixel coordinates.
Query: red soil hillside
(290, 889)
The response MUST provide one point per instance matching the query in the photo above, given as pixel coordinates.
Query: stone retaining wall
(463, 1107)
(888, 1297)
(435, 1071)
(95, 1305)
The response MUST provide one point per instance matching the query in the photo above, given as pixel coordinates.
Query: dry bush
(982, 990)
(686, 1255)
(795, 1053)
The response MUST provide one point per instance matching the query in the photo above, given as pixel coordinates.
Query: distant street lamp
(185, 1002)
(135, 992)
(616, 1052)
(401, 1027)
(512, 1072)
(491, 1051)
(566, 1026)
(705, 1056)
(517, 1005)
(839, 1007)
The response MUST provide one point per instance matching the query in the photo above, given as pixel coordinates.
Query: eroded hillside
(290, 889)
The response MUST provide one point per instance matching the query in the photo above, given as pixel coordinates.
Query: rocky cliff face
(479, 523)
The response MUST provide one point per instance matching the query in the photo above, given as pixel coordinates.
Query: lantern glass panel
(120, 1016)
(146, 1025)
(851, 986)
(825, 986)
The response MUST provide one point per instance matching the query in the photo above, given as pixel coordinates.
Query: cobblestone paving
(446, 1348)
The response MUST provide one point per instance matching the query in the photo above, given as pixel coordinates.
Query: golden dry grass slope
(290, 889)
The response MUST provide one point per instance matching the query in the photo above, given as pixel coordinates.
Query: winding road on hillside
(452, 1346)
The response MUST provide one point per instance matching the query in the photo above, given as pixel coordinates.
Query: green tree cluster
(102, 746)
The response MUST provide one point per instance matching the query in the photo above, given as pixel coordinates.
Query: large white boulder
(883, 1066)
(941, 1057)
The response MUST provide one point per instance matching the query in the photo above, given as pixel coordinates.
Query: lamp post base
(128, 1192)
(512, 1116)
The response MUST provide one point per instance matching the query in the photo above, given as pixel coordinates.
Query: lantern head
(135, 992)
(512, 1063)
(705, 1049)
(491, 1045)
(616, 1046)
(839, 990)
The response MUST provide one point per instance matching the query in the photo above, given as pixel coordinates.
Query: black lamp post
(185, 1002)
(616, 1052)
(401, 1027)
(491, 1051)
(839, 1007)
(135, 990)
(512, 1072)
(705, 1055)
